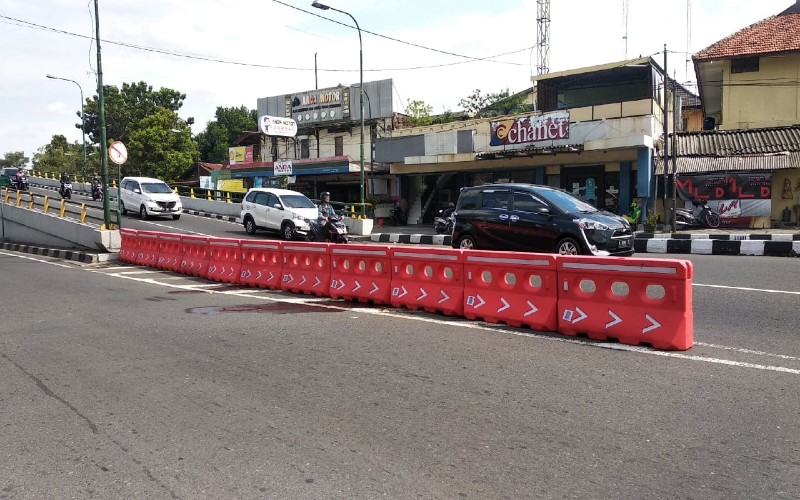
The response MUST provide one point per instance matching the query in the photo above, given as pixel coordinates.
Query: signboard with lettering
(282, 167)
(547, 127)
(317, 106)
(277, 126)
(738, 198)
(236, 155)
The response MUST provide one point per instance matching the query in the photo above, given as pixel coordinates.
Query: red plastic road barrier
(428, 278)
(513, 287)
(306, 268)
(195, 255)
(147, 253)
(262, 262)
(635, 301)
(129, 245)
(361, 272)
(170, 252)
(224, 260)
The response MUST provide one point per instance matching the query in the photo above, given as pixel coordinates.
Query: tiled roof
(776, 34)
(761, 141)
(708, 164)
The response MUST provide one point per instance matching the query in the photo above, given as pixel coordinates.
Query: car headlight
(587, 224)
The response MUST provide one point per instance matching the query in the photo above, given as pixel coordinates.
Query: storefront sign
(323, 105)
(530, 129)
(277, 126)
(737, 198)
(282, 167)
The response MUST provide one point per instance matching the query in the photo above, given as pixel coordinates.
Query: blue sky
(267, 35)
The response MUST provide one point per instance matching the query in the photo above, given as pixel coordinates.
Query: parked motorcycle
(66, 189)
(444, 221)
(97, 192)
(701, 216)
(332, 231)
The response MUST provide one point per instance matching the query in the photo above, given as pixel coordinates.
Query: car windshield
(566, 202)
(297, 201)
(9, 171)
(155, 187)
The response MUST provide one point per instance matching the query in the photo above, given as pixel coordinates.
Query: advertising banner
(737, 198)
(282, 167)
(277, 126)
(237, 155)
(547, 127)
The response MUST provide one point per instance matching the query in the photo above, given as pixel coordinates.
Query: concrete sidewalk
(779, 242)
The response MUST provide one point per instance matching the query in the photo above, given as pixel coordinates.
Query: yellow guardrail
(63, 210)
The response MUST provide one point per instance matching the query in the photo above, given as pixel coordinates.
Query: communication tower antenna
(625, 25)
(543, 41)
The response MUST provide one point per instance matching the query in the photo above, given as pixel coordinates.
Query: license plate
(624, 244)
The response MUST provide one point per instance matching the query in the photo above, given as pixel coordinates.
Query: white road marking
(746, 289)
(35, 259)
(482, 327)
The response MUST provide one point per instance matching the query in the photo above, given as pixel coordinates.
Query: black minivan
(532, 218)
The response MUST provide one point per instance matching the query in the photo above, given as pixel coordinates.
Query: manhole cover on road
(277, 308)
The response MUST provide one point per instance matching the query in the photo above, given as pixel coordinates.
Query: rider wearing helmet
(326, 211)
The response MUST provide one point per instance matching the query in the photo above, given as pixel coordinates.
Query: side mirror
(543, 211)
(137, 191)
(278, 206)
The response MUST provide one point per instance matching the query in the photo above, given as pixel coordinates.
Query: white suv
(278, 210)
(149, 196)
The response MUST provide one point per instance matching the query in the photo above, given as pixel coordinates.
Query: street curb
(76, 255)
(772, 245)
(228, 218)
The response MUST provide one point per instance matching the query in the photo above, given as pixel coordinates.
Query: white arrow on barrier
(424, 294)
(212, 269)
(341, 285)
(375, 288)
(653, 324)
(247, 274)
(480, 303)
(316, 282)
(617, 320)
(302, 281)
(444, 298)
(533, 309)
(357, 287)
(258, 277)
(289, 278)
(405, 292)
(271, 276)
(506, 305)
(582, 316)
(231, 273)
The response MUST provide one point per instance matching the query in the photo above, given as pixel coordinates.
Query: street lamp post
(83, 126)
(322, 6)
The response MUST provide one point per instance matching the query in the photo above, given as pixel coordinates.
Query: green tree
(125, 108)
(59, 156)
(418, 113)
(502, 103)
(14, 159)
(221, 132)
(155, 150)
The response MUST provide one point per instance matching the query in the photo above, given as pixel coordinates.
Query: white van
(147, 197)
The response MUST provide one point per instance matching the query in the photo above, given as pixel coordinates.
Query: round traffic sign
(118, 153)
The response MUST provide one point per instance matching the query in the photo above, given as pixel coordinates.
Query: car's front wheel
(143, 212)
(467, 243)
(287, 231)
(568, 246)
(122, 208)
(249, 225)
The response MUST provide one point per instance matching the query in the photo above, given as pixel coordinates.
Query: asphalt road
(124, 382)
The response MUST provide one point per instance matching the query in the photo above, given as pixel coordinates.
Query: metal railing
(62, 208)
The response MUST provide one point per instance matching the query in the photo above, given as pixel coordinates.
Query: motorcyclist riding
(326, 215)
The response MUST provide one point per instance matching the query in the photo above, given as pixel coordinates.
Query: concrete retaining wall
(33, 227)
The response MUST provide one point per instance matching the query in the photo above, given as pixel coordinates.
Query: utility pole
(666, 132)
(101, 105)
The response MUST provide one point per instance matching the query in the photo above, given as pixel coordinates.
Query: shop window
(304, 148)
(744, 65)
(338, 146)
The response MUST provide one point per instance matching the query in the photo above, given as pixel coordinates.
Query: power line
(403, 41)
(27, 24)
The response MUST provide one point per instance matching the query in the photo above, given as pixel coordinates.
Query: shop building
(325, 154)
(594, 133)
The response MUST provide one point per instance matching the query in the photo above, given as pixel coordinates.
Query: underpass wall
(21, 225)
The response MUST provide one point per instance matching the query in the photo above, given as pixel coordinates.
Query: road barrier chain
(633, 301)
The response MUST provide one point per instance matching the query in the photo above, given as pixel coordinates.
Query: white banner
(277, 126)
(282, 167)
